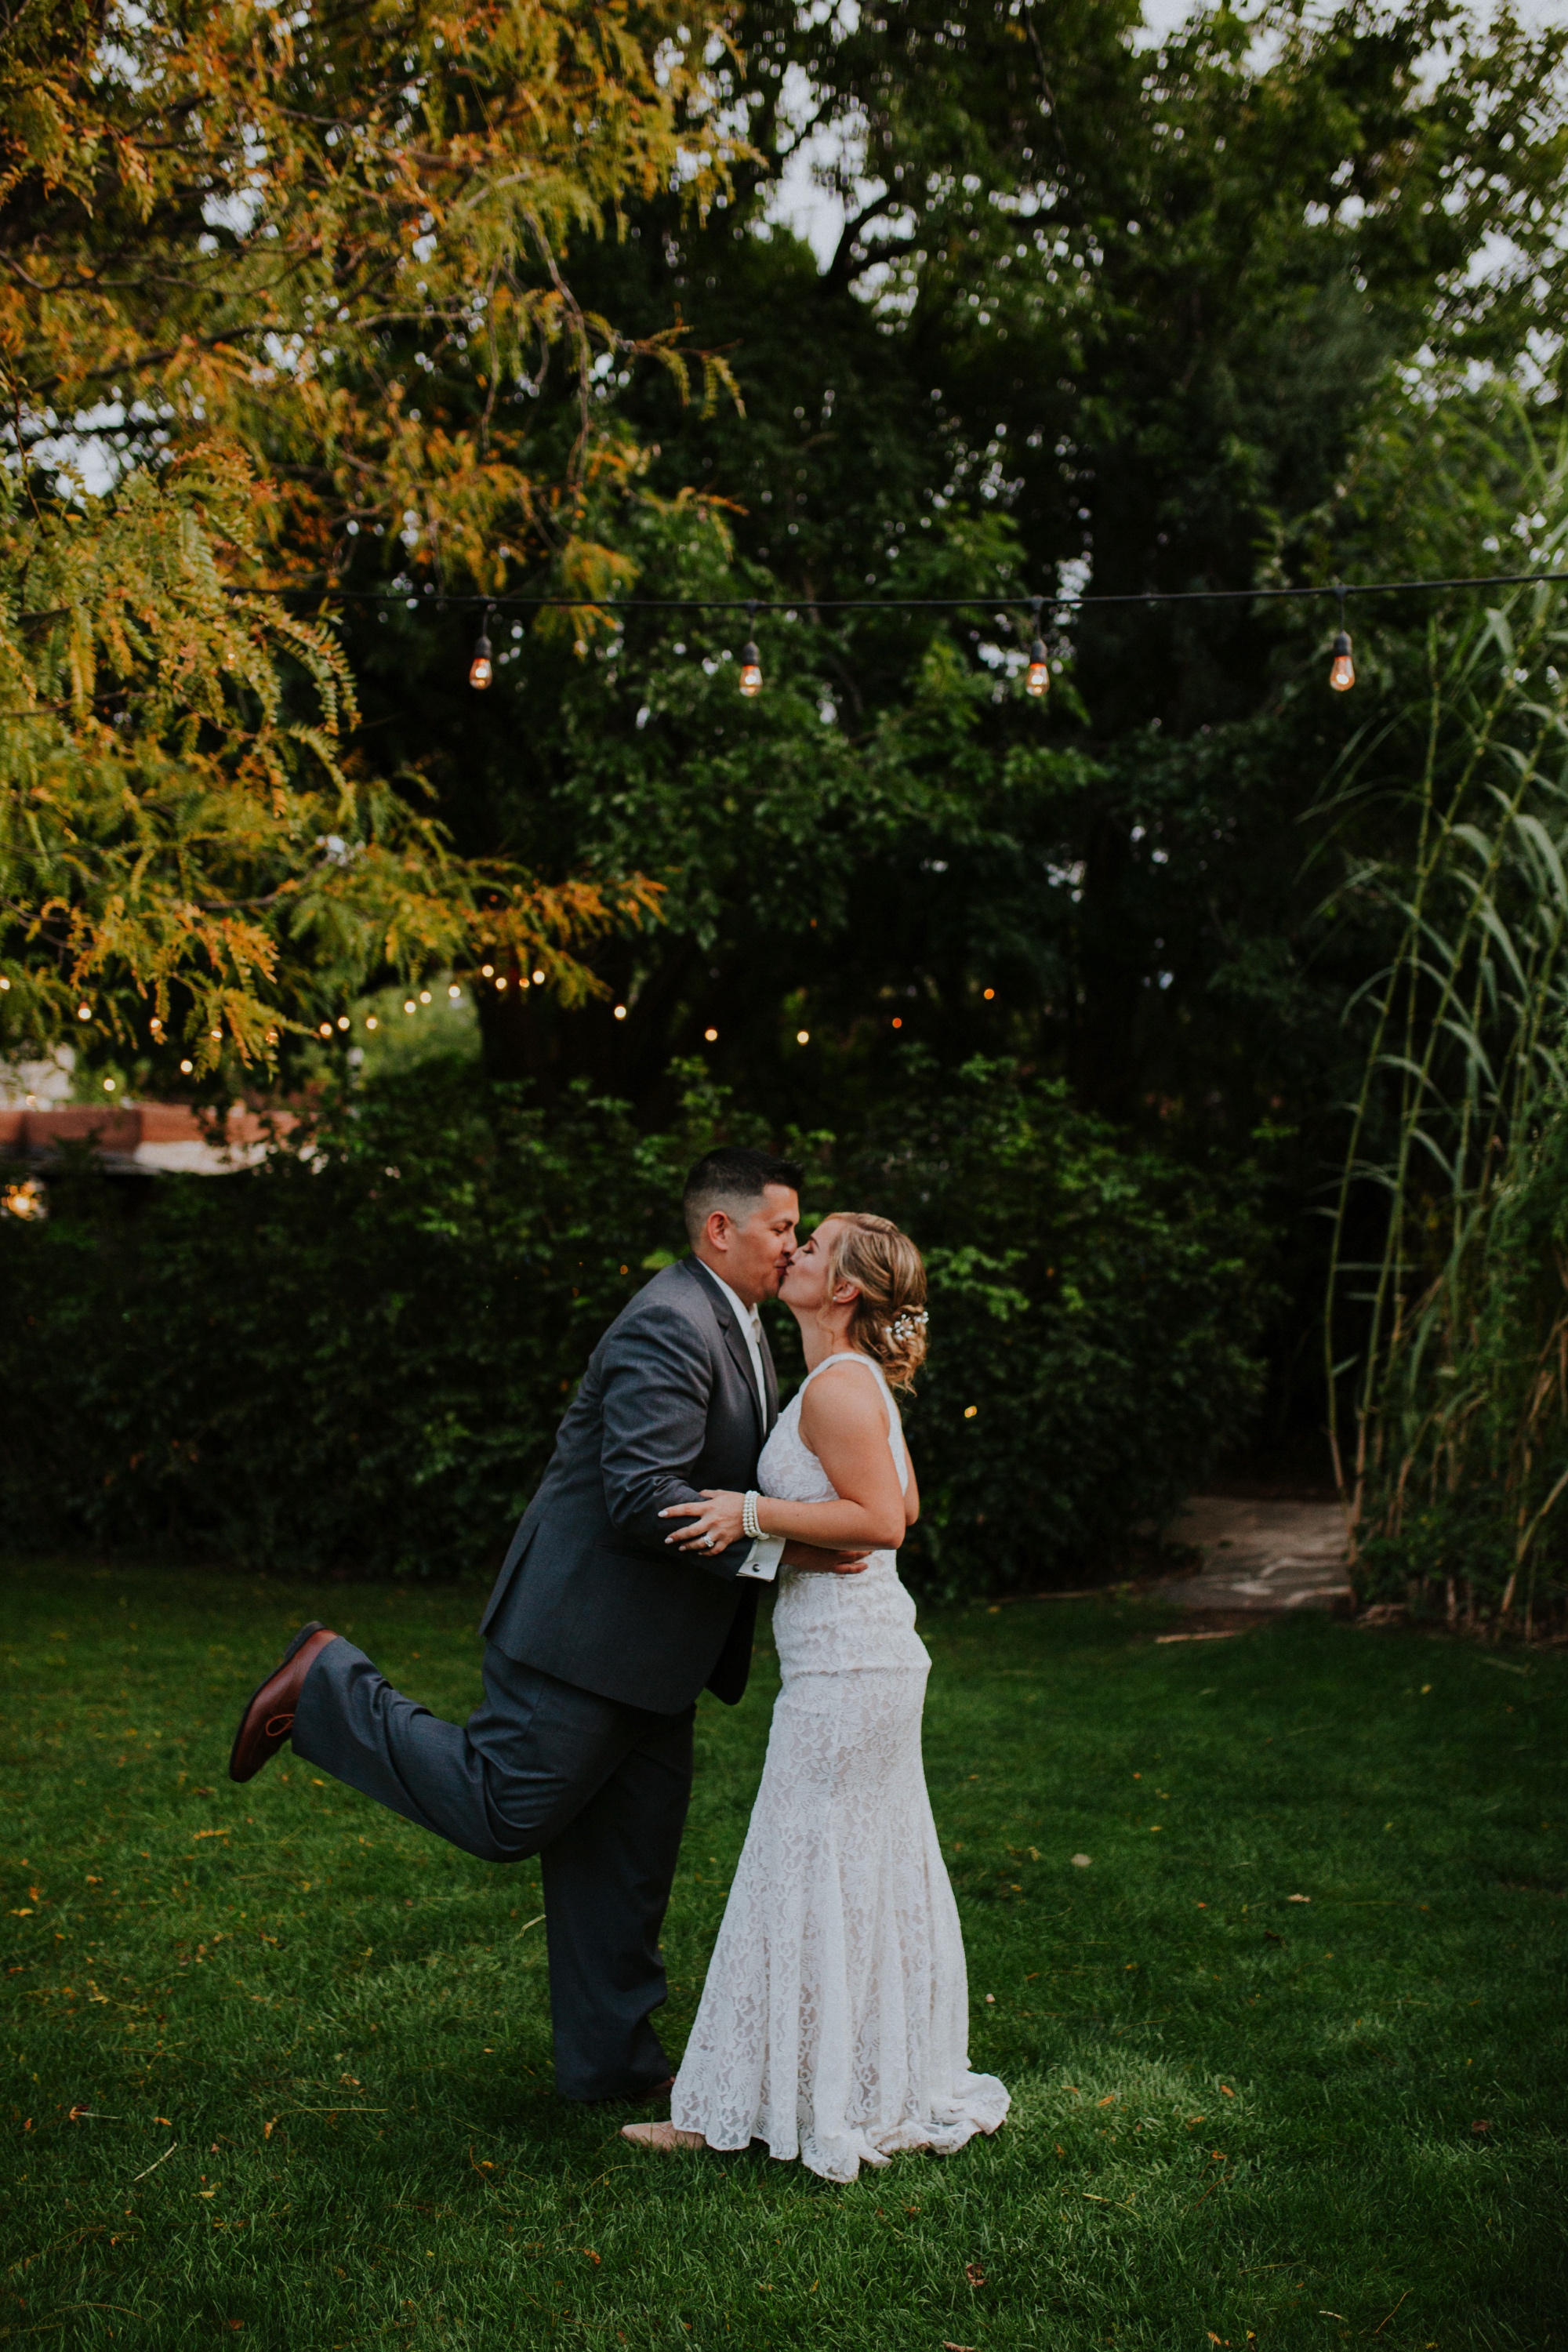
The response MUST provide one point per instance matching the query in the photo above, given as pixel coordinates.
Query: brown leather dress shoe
(269, 1717)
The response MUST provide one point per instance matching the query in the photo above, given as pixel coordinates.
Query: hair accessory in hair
(912, 1318)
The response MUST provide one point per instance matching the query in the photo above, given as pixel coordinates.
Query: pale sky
(818, 217)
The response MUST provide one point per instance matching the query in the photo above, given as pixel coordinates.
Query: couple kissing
(834, 2020)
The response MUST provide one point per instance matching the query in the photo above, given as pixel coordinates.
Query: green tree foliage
(1147, 316)
(226, 235)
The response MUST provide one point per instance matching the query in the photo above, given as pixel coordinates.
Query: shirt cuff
(762, 1561)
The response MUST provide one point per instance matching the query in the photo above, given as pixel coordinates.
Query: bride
(835, 2021)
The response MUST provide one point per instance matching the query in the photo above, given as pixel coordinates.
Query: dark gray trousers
(596, 1790)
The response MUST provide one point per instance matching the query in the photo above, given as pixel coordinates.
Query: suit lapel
(741, 1355)
(734, 1341)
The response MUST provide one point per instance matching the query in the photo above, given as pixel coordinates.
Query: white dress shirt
(762, 1559)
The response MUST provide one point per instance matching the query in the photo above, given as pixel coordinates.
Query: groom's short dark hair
(733, 1178)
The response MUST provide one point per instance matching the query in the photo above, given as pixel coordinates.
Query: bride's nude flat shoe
(664, 2136)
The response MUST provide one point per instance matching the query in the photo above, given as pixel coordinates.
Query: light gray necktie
(762, 1378)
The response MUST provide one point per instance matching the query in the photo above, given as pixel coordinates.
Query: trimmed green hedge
(356, 1358)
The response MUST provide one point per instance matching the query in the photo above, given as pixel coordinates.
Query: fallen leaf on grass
(1226, 2089)
(1298, 1899)
(975, 2274)
(946, 2347)
(1483, 2125)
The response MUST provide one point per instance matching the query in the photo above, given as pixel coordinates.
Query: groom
(599, 1635)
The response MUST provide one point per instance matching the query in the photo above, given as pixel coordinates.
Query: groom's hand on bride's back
(829, 1563)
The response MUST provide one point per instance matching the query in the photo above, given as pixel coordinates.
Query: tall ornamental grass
(1446, 1330)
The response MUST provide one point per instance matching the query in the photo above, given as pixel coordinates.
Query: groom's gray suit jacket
(589, 1590)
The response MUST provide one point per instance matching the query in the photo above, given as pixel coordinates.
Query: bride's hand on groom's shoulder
(711, 1525)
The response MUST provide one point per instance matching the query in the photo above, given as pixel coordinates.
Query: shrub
(354, 1357)
(1094, 1316)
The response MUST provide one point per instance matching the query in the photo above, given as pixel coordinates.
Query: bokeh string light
(750, 679)
(1341, 671)
(1037, 677)
(481, 669)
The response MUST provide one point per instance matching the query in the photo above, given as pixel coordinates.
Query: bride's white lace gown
(835, 2021)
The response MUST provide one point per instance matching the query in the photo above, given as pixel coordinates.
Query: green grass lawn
(314, 2042)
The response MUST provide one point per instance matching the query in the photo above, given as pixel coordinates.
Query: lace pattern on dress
(833, 2023)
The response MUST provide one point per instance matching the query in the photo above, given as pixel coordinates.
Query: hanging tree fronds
(236, 244)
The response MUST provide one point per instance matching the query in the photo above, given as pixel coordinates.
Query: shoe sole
(300, 1638)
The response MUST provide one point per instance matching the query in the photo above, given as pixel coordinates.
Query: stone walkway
(1261, 1555)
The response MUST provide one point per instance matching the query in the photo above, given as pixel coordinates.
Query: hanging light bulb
(751, 678)
(1037, 677)
(1341, 671)
(481, 669)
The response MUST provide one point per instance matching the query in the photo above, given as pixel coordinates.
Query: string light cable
(1037, 675)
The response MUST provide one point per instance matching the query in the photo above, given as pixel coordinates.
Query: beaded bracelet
(749, 1519)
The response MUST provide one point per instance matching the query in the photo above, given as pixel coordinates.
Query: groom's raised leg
(606, 1881)
(499, 1786)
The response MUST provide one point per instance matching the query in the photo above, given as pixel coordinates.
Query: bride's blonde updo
(889, 1317)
